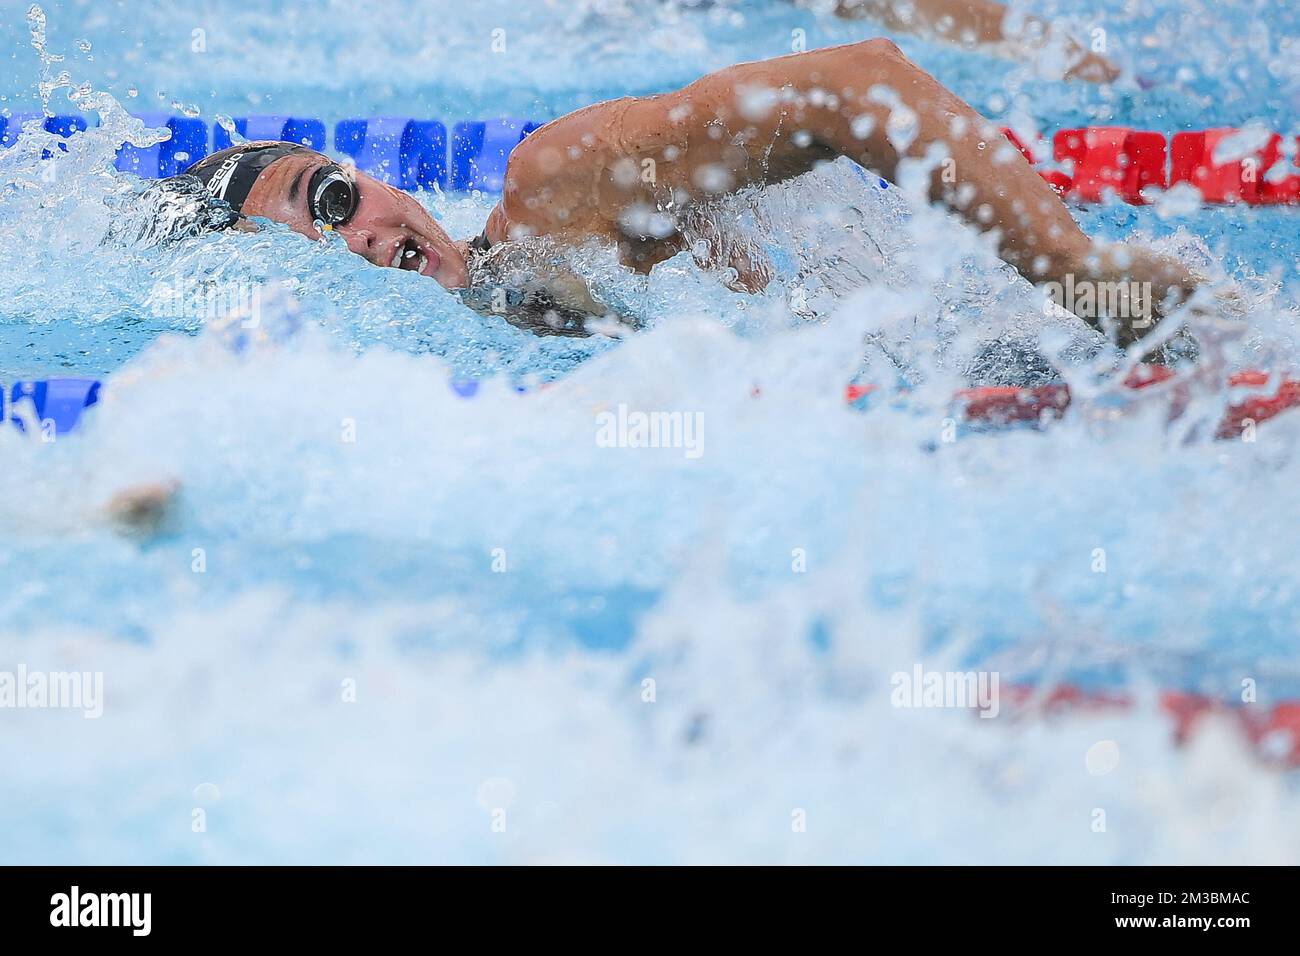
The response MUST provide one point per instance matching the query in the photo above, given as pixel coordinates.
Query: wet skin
(389, 226)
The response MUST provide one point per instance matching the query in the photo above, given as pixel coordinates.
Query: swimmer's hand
(143, 509)
(1140, 286)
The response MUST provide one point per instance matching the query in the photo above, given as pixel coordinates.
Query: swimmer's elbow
(881, 53)
(882, 48)
(878, 60)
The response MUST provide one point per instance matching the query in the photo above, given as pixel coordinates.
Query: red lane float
(1010, 405)
(1240, 180)
(1135, 164)
(1115, 158)
(1272, 732)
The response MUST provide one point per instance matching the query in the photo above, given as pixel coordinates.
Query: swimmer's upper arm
(579, 173)
(552, 182)
(772, 120)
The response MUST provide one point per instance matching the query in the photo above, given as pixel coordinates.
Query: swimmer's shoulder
(496, 230)
(566, 178)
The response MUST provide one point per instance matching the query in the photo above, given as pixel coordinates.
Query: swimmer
(580, 178)
(983, 24)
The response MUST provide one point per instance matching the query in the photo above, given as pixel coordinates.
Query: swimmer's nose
(362, 242)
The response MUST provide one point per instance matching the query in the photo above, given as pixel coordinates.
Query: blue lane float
(480, 151)
(288, 129)
(406, 153)
(58, 403)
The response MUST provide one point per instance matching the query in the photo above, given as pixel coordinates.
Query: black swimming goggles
(332, 195)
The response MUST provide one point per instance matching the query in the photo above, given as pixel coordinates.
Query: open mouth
(410, 256)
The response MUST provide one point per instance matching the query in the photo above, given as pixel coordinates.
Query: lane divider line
(1227, 166)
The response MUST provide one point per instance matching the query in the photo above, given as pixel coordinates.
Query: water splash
(348, 511)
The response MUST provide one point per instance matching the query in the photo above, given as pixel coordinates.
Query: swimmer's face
(389, 228)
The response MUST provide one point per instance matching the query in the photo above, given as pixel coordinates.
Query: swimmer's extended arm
(779, 118)
(983, 23)
(608, 169)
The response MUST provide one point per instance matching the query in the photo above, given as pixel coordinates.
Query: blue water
(498, 587)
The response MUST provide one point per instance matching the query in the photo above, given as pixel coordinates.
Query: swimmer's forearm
(609, 168)
(860, 101)
(981, 177)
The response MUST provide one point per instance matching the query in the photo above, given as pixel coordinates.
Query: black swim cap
(229, 174)
(164, 210)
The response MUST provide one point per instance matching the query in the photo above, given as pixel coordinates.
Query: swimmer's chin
(452, 268)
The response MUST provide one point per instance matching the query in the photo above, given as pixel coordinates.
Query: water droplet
(1102, 758)
(206, 793)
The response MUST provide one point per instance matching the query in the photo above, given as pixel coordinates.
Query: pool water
(386, 612)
